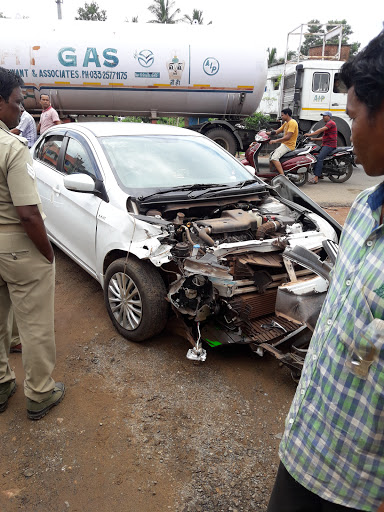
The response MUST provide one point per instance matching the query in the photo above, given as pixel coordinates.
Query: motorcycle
(338, 165)
(296, 164)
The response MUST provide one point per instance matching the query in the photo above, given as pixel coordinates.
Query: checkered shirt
(333, 443)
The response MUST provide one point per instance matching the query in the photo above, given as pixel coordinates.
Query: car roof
(107, 129)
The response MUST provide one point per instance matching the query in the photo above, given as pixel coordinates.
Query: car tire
(223, 138)
(145, 311)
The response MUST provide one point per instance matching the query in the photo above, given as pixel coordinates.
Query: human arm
(54, 116)
(316, 132)
(33, 224)
(286, 137)
(381, 508)
(16, 131)
(38, 128)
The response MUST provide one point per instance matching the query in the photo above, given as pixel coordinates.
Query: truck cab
(308, 88)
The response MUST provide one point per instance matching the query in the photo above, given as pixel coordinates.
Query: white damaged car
(166, 219)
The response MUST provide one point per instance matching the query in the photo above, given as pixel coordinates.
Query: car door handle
(56, 190)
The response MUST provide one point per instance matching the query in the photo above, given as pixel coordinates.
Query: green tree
(197, 16)
(91, 12)
(347, 31)
(161, 9)
(313, 40)
(271, 56)
(314, 26)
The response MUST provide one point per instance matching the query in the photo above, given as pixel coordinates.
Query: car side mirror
(79, 183)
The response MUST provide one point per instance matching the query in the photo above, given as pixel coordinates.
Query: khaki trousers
(27, 282)
(15, 340)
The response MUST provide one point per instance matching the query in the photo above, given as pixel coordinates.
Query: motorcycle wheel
(303, 179)
(345, 167)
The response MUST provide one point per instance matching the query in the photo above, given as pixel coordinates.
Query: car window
(167, 161)
(49, 149)
(76, 159)
(320, 82)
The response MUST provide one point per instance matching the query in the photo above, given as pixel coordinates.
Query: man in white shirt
(26, 128)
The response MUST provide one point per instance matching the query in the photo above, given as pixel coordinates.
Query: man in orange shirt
(287, 143)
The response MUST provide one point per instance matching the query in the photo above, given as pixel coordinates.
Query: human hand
(271, 142)
(381, 508)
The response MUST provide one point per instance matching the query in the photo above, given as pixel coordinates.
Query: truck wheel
(340, 141)
(223, 138)
(134, 295)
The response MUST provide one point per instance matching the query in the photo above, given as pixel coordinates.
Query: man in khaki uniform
(27, 271)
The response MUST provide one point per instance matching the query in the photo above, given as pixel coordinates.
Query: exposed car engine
(230, 265)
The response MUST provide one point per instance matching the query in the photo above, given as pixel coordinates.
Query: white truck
(309, 88)
(98, 68)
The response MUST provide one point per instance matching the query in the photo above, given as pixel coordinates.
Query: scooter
(296, 164)
(338, 165)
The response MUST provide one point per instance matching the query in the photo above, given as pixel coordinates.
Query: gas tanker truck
(98, 68)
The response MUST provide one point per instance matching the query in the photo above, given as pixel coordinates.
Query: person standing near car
(332, 450)
(328, 144)
(26, 128)
(287, 142)
(27, 270)
(49, 117)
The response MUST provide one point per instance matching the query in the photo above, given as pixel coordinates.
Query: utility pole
(59, 2)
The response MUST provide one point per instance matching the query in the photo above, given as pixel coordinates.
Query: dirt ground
(141, 427)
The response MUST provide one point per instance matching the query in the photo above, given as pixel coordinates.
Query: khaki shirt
(17, 177)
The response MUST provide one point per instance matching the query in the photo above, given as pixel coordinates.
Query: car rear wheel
(134, 294)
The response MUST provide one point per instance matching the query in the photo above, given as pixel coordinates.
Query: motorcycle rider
(287, 142)
(329, 143)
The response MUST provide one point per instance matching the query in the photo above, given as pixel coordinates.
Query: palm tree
(197, 16)
(271, 56)
(161, 10)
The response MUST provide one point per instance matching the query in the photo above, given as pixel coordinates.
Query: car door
(46, 159)
(71, 216)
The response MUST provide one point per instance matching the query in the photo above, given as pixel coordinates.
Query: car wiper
(246, 182)
(195, 186)
(229, 187)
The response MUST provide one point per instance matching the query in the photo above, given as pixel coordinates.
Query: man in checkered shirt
(332, 451)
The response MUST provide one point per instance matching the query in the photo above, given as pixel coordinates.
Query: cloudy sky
(269, 21)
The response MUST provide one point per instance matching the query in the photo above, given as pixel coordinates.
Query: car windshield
(155, 162)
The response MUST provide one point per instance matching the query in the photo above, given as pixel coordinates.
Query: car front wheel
(134, 294)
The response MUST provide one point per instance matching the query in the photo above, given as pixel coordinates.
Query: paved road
(327, 193)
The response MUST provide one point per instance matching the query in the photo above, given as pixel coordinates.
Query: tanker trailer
(100, 68)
